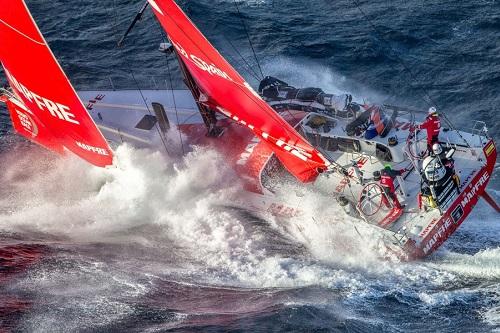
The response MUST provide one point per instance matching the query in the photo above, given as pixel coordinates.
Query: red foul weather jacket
(432, 125)
(387, 178)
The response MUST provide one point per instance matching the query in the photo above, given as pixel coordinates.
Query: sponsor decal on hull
(461, 208)
(428, 228)
(282, 210)
(92, 102)
(440, 232)
(489, 149)
(473, 190)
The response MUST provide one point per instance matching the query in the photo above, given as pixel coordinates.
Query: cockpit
(329, 135)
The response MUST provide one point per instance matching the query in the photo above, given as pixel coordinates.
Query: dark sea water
(146, 248)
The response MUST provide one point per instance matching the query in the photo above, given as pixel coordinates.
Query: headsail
(46, 108)
(227, 91)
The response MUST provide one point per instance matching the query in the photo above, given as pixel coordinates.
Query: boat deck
(117, 114)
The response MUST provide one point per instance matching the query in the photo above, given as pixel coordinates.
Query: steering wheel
(370, 200)
(412, 143)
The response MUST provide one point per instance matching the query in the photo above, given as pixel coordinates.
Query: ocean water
(149, 246)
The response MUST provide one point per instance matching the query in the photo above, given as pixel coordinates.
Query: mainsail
(45, 108)
(226, 91)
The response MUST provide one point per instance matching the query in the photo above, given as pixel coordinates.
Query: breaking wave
(124, 232)
(184, 200)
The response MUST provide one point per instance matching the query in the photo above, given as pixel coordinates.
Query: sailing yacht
(295, 135)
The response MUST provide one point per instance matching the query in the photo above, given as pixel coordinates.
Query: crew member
(448, 162)
(432, 125)
(387, 176)
(377, 119)
(438, 151)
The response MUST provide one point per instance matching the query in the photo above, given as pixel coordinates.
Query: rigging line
(175, 106)
(248, 66)
(242, 58)
(245, 90)
(242, 88)
(233, 60)
(248, 36)
(160, 134)
(165, 39)
(425, 93)
(354, 197)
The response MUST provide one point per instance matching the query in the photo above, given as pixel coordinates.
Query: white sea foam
(182, 200)
(485, 264)
(67, 197)
(184, 197)
(491, 314)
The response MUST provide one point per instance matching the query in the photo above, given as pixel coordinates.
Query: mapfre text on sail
(57, 110)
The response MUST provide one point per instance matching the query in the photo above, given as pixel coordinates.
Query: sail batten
(233, 96)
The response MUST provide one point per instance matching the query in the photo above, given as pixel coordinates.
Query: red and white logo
(27, 123)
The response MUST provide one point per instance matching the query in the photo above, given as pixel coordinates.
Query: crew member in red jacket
(432, 125)
(387, 176)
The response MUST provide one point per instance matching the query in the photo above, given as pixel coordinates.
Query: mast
(219, 87)
(207, 113)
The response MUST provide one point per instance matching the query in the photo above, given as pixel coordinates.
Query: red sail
(47, 109)
(28, 125)
(226, 89)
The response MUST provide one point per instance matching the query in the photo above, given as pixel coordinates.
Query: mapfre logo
(465, 202)
(473, 190)
(27, 123)
(55, 109)
(92, 149)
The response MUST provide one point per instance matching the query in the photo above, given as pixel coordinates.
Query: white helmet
(437, 149)
(432, 110)
(433, 169)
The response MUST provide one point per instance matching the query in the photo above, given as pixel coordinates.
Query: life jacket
(386, 180)
(432, 124)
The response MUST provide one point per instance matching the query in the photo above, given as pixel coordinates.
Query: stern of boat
(475, 166)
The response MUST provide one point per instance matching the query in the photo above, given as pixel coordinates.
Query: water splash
(152, 217)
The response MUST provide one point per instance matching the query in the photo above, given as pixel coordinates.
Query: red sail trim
(226, 89)
(44, 91)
